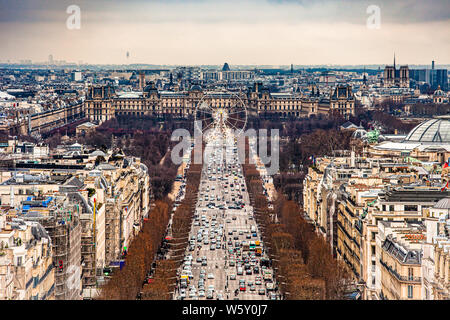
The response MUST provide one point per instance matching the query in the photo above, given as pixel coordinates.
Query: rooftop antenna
(394, 59)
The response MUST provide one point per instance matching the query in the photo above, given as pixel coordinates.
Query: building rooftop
(434, 130)
(400, 252)
(443, 204)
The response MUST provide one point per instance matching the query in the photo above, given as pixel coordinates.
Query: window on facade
(410, 273)
(410, 292)
(410, 207)
(373, 251)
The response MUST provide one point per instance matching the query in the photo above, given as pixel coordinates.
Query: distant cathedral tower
(396, 78)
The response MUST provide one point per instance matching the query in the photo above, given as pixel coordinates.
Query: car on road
(210, 295)
(187, 268)
(210, 276)
(232, 277)
(201, 293)
(261, 292)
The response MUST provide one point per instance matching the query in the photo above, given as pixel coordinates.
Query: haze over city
(245, 32)
(180, 152)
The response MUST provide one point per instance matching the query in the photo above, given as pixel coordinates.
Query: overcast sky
(237, 31)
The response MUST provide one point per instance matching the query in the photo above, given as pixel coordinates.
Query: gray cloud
(248, 11)
(246, 31)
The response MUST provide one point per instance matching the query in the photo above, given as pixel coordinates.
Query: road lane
(223, 213)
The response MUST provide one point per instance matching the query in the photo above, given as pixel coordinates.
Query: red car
(242, 288)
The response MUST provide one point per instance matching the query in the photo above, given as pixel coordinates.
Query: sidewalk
(176, 185)
(270, 188)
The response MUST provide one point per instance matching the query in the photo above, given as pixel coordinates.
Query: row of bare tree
(164, 277)
(302, 260)
(125, 284)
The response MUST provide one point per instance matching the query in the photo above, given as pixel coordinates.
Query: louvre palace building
(103, 102)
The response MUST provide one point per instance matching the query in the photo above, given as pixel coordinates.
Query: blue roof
(45, 202)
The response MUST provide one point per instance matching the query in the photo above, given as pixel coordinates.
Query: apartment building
(92, 204)
(347, 197)
(436, 252)
(399, 259)
(60, 216)
(27, 271)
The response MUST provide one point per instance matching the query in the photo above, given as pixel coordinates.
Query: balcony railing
(400, 277)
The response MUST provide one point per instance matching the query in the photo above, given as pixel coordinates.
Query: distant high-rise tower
(292, 68)
(434, 77)
(50, 59)
(226, 67)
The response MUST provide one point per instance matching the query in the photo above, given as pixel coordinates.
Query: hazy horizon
(249, 32)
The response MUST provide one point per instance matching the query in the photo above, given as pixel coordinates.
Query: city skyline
(240, 32)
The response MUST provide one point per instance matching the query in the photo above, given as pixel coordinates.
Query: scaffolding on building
(62, 225)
